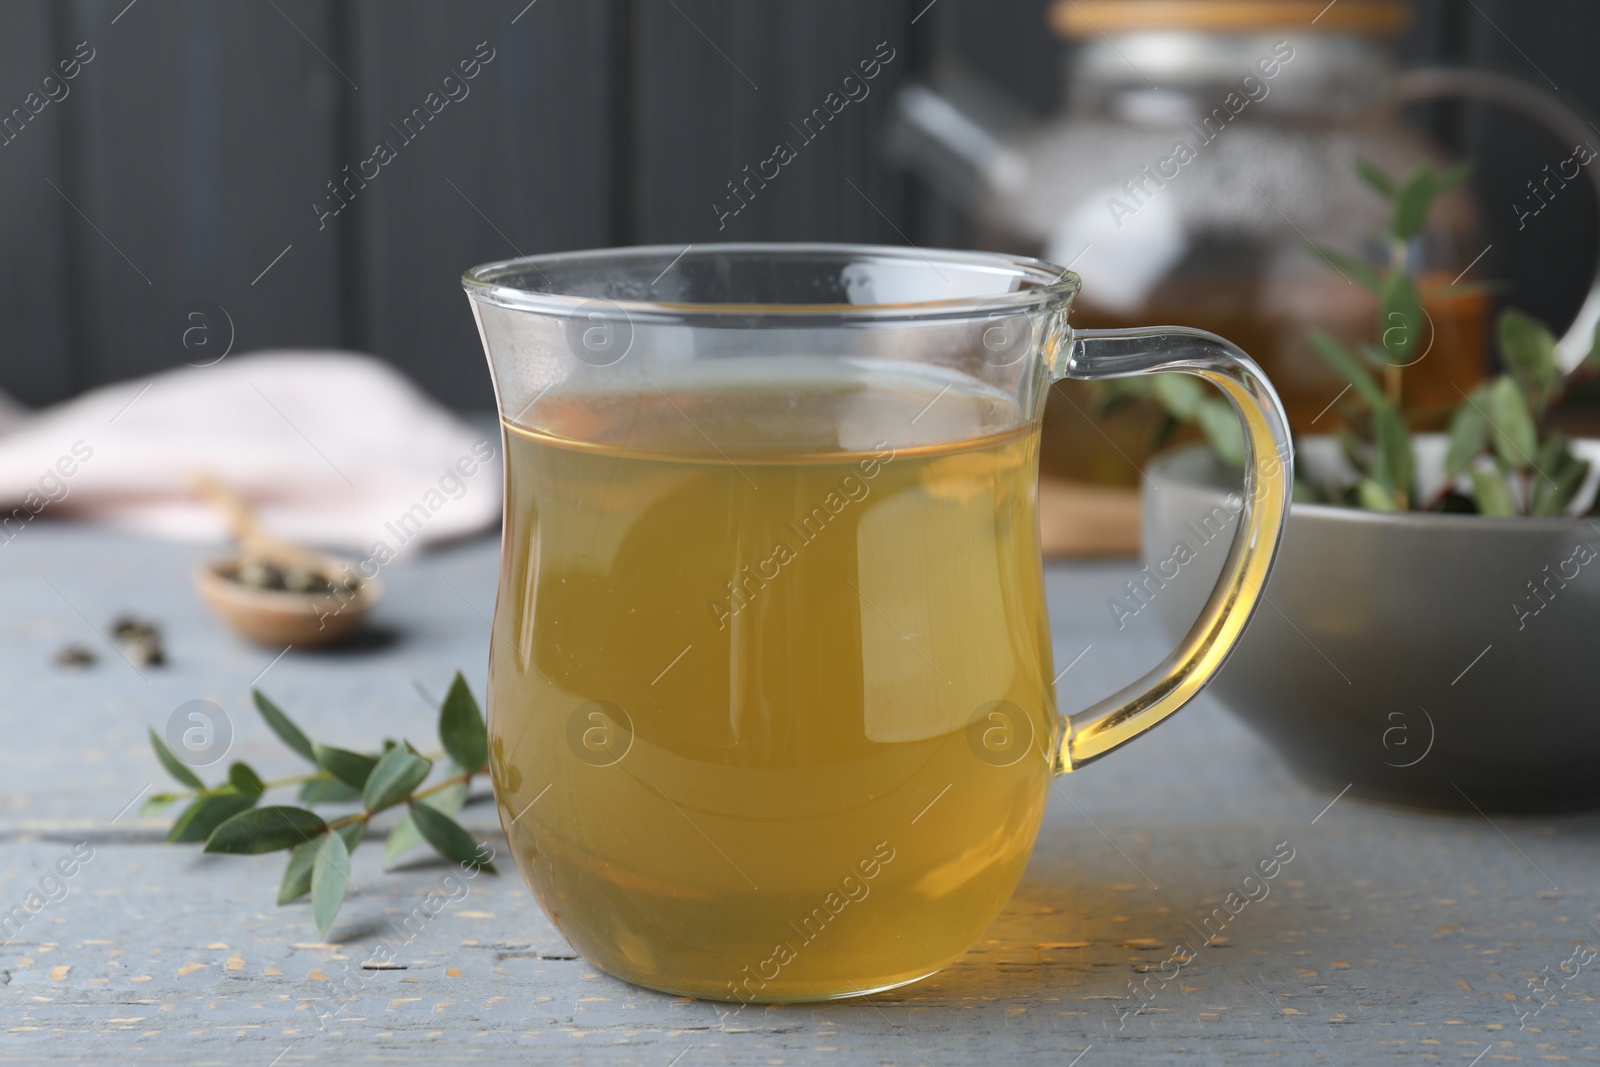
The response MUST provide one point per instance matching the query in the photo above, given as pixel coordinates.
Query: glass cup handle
(1269, 465)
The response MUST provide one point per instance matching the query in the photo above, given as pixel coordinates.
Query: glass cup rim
(1042, 284)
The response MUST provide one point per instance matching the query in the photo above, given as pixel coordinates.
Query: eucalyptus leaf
(283, 726)
(327, 791)
(447, 837)
(1374, 497)
(1109, 394)
(1553, 500)
(205, 814)
(1553, 455)
(1492, 493)
(1357, 270)
(1395, 463)
(1413, 202)
(1223, 432)
(156, 803)
(267, 829)
(1469, 435)
(330, 877)
(1375, 177)
(175, 767)
(461, 726)
(351, 768)
(1401, 320)
(245, 780)
(353, 833)
(1511, 425)
(1558, 475)
(398, 773)
(405, 834)
(1180, 394)
(297, 875)
(1348, 366)
(1529, 350)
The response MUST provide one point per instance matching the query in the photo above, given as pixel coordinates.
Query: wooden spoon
(306, 612)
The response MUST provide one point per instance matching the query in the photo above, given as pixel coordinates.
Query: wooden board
(194, 146)
(198, 141)
(521, 163)
(719, 87)
(35, 352)
(1391, 937)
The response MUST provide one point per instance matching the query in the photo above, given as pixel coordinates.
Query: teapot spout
(956, 134)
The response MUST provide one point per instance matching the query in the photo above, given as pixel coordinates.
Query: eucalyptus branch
(1503, 458)
(228, 818)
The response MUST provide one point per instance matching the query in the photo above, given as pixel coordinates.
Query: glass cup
(771, 708)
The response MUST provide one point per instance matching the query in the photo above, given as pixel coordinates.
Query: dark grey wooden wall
(184, 161)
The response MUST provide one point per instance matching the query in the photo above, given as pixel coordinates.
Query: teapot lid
(1077, 19)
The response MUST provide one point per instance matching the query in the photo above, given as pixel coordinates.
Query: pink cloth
(331, 448)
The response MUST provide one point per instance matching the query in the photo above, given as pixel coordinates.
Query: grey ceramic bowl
(1445, 661)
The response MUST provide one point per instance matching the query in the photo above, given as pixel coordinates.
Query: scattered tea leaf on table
(351, 768)
(175, 767)
(330, 877)
(461, 726)
(267, 829)
(399, 772)
(283, 726)
(447, 837)
(205, 814)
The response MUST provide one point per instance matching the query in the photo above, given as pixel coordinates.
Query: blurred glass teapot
(1204, 145)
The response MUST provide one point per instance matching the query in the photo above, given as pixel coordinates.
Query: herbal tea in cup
(770, 706)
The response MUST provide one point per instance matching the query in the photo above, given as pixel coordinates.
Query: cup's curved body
(770, 705)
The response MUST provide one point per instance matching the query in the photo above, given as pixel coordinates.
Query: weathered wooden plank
(432, 623)
(1386, 938)
(517, 160)
(718, 88)
(36, 352)
(200, 138)
(1390, 935)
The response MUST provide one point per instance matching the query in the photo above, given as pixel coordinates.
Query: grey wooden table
(1390, 936)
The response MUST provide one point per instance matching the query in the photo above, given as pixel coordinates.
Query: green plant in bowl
(1435, 592)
